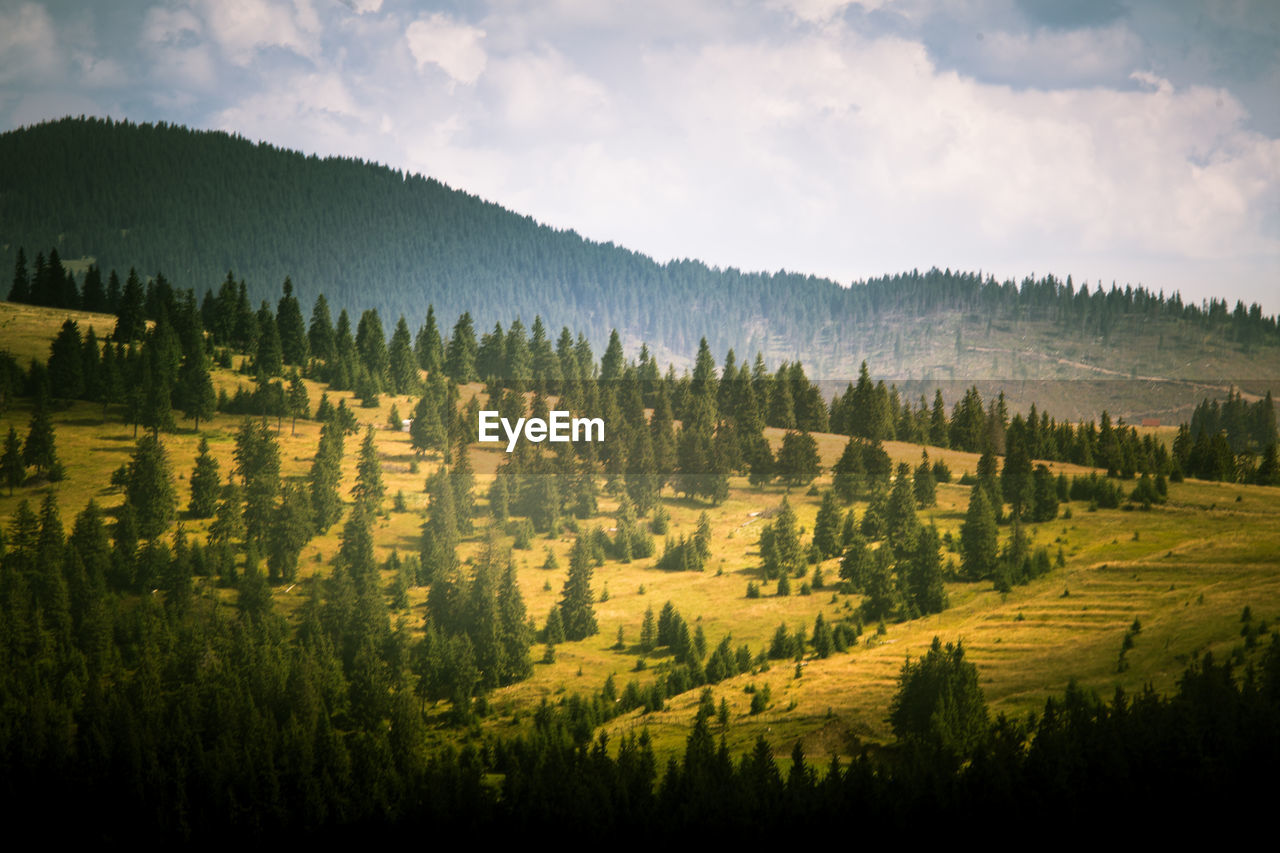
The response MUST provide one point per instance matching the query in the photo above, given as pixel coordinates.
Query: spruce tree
(299, 400)
(460, 357)
(294, 344)
(403, 364)
(798, 459)
(270, 354)
(325, 476)
(205, 483)
(428, 346)
(576, 598)
(198, 399)
(12, 467)
(320, 334)
(369, 488)
(924, 485)
(978, 537)
(849, 474)
(149, 490)
(66, 363)
(290, 530)
(826, 528)
(38, 451)
(439, 542)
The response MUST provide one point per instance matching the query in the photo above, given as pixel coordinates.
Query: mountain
(195, 204)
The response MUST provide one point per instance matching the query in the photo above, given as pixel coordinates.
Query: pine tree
(826, 528)
(150, 491)
(978, 542)
(403, 362)
(270, 354)
(325, 476)
(460, 358)
(299, 400)
(427, 345)
(66, 363)
(439, 542)
(205, 483)
(12, 467)
(576, 599)
(369, 488)
(924, 485)
(798, 459)
(320, 334)
(849, 474)
(294, 343)
(38, 450)
(290, 530)
(198, 399)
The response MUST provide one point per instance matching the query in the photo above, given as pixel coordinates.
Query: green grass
(1185, 570)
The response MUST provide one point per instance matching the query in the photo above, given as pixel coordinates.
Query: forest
(191, 206)
(155, 677)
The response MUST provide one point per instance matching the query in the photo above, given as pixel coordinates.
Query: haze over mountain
(194, 205)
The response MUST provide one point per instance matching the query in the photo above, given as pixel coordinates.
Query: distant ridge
(195, 204)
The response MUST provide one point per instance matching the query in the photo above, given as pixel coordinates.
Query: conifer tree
(855, 565)
(438, 546)
(205, 483)
(257, 458)
(924, 485)
(326, 473)
(66, 363)
(38, 450)
(462, 478)
(428, 346)
(198, 399)
(403, 362)
(849, 474)
(299, 400)
(798, 459)
(576, 599)
(294, 343)
(320, 334)
(924, 573)
(270, 354)
(150, 490)
(901, 521)
(369, 488)
(290, 530)
(978, 543)
(516, 636)
(12, 467)
(826, 528)
(460, 357)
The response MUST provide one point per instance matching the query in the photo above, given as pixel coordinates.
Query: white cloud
(242, 28)
(453, 47)
(28, 44)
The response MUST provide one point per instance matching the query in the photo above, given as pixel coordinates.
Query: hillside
(193, 205)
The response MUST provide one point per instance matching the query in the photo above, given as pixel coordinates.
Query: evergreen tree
(939, 704)
(849, 474)
(257, 458)
(149, 490)
(270, 353)
(294, 342)
(198, 399)
(576, 599)
(403, 362)
(131, 323)
(924, 485)
(291, 527)
(798, 459)
(66, 363)
(428, 346)
(978, 543)
(299, 400)
(38, 450)
(320, 334)
(460, 357)
(369, 488)
(901, 522)
(12, 467)
(463, 480)
(924, 573)
(325, 476)
(205, 483)
(439, 542)
(826, 528)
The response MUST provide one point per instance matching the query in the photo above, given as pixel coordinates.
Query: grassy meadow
(1184, 570)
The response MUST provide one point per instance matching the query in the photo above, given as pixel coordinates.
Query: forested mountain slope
(193, 205)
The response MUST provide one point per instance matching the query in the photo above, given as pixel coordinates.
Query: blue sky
(1130, 141)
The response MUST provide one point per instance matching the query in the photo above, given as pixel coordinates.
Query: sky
(1129, 142)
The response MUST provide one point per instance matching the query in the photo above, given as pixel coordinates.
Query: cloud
(454, 48)
(243, 28)
(28, 44)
